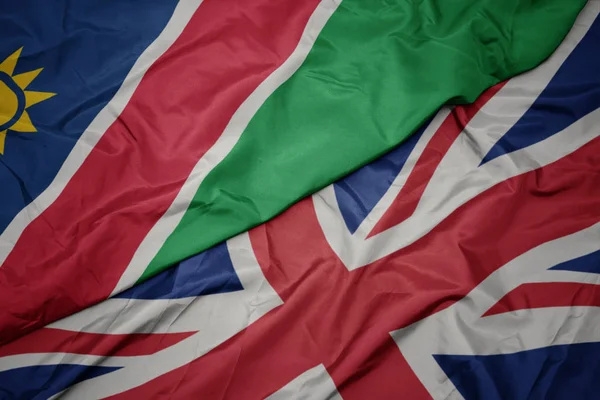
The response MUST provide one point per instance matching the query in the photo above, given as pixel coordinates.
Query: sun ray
(23, 80)
(2, 139)
(24, 124)
(8, 65)
(32, 98)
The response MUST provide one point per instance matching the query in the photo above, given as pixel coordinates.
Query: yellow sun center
(9, 104)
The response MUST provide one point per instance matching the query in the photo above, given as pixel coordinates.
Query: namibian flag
(137, 133)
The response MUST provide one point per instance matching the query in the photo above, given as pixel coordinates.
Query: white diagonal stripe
(181, 16)
(314, 384)
(230, 136)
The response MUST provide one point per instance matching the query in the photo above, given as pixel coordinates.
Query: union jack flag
(463, 264)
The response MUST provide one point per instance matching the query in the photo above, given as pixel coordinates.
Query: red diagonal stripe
(405, 204)
(50, 340)
(543, 295)
(492, 229)
(74, 253)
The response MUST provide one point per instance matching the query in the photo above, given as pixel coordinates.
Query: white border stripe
(181, 16)
(367, 225)
(126, 316)
(316, 383)
(232, 133)
(328, 208)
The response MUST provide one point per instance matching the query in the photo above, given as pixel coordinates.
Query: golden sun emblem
(15, 100)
